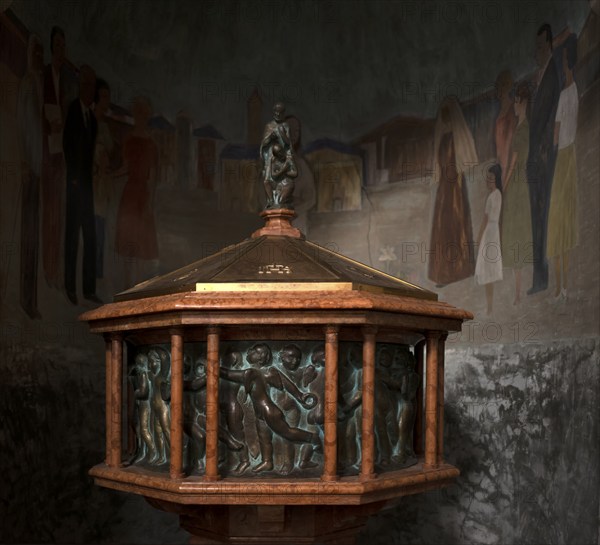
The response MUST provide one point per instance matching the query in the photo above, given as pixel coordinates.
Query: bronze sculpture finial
(277, 160)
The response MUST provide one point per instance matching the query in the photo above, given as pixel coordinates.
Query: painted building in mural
(210, 144)
(339, 173)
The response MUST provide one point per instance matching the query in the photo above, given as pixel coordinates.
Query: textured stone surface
(51, 433)
(522, 426)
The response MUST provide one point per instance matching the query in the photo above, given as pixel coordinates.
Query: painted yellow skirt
(562, 218)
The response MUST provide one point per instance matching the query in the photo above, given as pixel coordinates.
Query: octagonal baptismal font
(276, 391)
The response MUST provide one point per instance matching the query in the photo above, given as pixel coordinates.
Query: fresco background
(365, 80)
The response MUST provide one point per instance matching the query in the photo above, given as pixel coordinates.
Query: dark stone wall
(51, 434)
(522, 425)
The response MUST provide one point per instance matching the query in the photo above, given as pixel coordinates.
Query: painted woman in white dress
(488, 268)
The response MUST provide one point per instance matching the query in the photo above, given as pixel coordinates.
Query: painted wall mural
(128, 153)
(448, 151)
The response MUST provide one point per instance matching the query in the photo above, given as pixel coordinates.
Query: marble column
(176, 462)
(116, 400)
(367, 467)
(331, 401)
(212, 404)
(431, 399)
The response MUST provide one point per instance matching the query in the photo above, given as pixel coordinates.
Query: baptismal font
(276, 391)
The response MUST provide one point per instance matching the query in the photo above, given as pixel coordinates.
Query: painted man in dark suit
(542, 154)
(79, 139)
(53, 173)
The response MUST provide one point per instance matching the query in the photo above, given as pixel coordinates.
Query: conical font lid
(276, 258)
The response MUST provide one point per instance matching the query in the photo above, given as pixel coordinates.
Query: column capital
(213, 329)
(434, 334)
(176, 330)
(369, 329)
(332, 329)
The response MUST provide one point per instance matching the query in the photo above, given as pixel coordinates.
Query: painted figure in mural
(53, 159)
(277, 132)
(386, 403)
(451, 232)
(542, 153)
(516, 212)
(183, 127)
(305, 193)
(233, 410)
(79, 140)
(488, 268)
(489, 253)
(350, 408)
(313, 380)
(146, 449)
(506, 121)
(257, 381)
(161, 415)
(30, 116)
(103, 182)
(290, 357)
(562, 218)
(136, 237)
(283, 172)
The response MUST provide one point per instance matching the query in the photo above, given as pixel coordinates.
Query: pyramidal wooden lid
(276, 258)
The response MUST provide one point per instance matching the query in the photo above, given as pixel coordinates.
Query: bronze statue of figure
(283, 172)
(404, 382)
(159, 367)
(194, 423)
(277, 165)
(409, 381)
(350, 408)
(233, 410)
(257, 381)
(290, 357)
(313, 380)
(146, 449)
(386, 408)
(194, 415)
